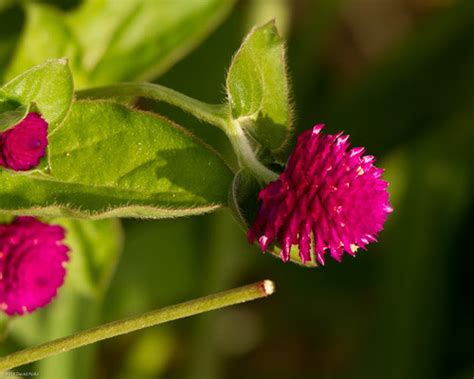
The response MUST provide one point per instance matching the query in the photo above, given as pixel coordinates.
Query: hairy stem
(245, 153)
(205, 304)
(214, 114)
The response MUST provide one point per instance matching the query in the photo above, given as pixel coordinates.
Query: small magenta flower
(328, 199)
(32, 260)
(22, 146)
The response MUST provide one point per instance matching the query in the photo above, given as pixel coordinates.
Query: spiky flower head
(329, 199)
(32, 260)
(22, 146)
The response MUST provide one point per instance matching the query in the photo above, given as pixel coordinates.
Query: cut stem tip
(268, 287)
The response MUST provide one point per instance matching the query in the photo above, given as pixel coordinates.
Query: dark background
(398, 76)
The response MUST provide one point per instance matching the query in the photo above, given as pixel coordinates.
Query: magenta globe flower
(328, 199)
(22, 146)
(32, 260)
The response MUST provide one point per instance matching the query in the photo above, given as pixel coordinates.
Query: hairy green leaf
(49, 87)
(108, 160)
(95, 248)
(257, 87)
(130, 40)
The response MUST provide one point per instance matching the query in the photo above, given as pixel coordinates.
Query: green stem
(214, 114)
(205, 304)
(245, 153)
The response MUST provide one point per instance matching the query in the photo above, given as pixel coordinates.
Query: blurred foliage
(109, 41)
(404, 309)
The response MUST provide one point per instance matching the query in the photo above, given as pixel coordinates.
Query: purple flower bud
(328, 199)
(22, 146)
(32, 264)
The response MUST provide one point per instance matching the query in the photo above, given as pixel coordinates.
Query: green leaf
(244, 203)
(130, 40)
(111, 41)
(48, 86)
(45, 36)
(258, 90)
(11, 112)
(95, 248)
(108, 160)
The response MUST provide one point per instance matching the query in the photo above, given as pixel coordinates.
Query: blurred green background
(398, 75)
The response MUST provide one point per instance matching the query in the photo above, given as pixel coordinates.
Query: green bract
(47, 87)
(109, 160)
(243, 201)
(258, 90)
